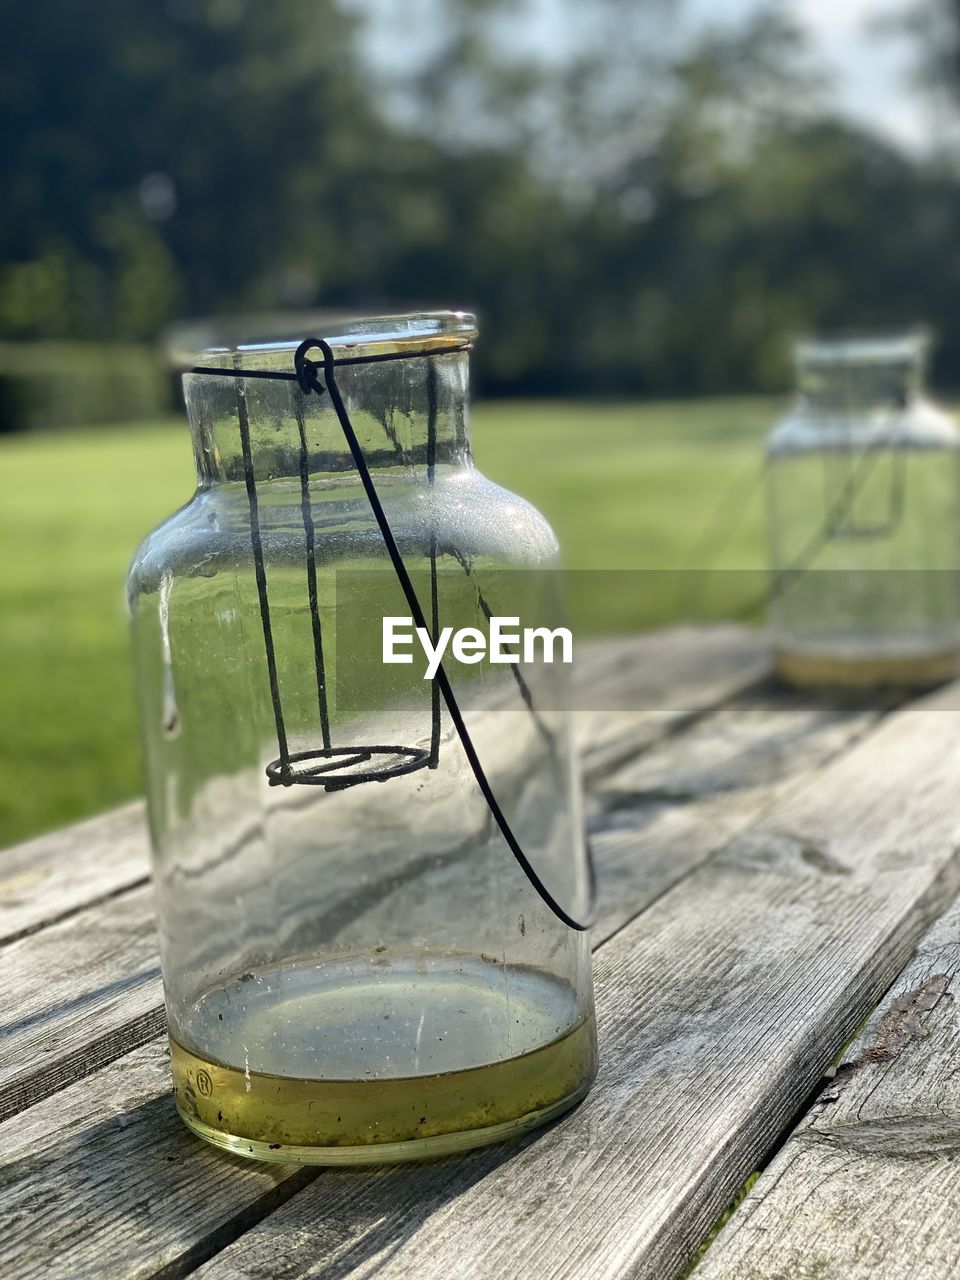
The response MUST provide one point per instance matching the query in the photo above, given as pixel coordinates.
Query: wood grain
(103, 1180)
(76, 995)
(755, 741)
(664, 814)
(631, 692)
(720, 1009)
(56, 875)
(869, 1183)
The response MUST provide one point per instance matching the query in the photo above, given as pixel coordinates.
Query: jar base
(396, 1056)
(830, 670)
(442, 1144)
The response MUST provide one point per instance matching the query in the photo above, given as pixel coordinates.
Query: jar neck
(409, 415)
(847, 379)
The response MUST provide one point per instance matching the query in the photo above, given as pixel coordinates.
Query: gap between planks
(868, 1182)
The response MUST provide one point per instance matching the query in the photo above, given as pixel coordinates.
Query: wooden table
(769, 864)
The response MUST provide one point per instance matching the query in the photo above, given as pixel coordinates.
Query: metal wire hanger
(331, 767)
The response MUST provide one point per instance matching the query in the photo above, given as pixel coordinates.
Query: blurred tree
(629, 206)
(756, 215)
(192, 152)
(936, 28)
(650, 215)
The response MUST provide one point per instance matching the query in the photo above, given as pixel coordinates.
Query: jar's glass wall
(864, 515)
(381, 937)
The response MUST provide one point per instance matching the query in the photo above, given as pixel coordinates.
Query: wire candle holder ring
(337, 768)
(319, 767)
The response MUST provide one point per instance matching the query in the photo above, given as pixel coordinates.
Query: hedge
(69, 384)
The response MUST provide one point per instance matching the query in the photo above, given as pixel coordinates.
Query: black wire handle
(307, 372)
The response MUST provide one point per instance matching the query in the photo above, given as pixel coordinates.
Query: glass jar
(864, 516)
(368, 884)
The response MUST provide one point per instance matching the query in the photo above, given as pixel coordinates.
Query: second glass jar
(864, 513)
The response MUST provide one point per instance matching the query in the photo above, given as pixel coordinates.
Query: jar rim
(267, 342)
(863, 349)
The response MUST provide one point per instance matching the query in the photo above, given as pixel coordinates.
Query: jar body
(354, 970)
(864, 518)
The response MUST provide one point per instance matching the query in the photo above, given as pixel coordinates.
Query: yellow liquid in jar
(910, 671)
(365, 1060)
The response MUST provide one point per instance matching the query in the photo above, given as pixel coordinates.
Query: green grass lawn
(627, 487)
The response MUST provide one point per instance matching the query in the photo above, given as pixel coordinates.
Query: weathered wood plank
(637, 865)
(669, 810)
(753, 742)
(720, 1009)
(50, 878)
(632, 691)
(117, 1183)
(76, 995)
(869, 1183)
